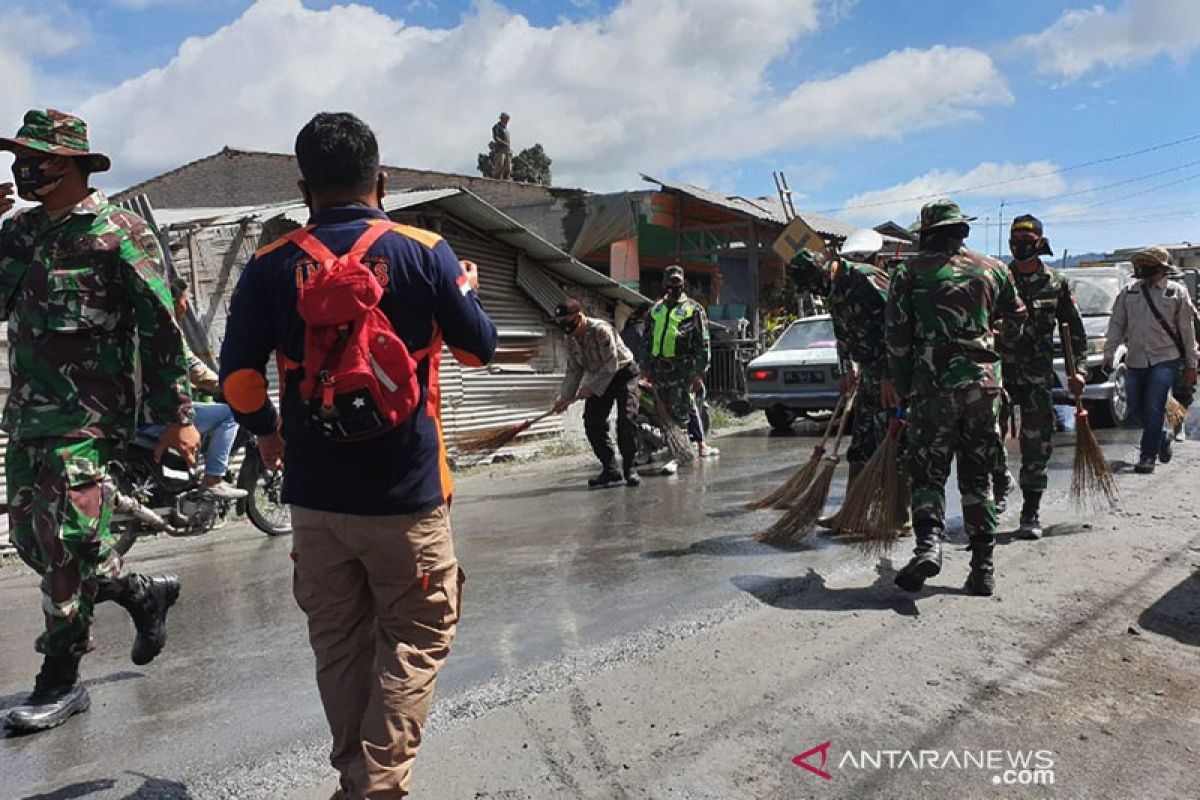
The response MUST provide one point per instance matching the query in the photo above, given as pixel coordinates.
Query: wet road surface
(553, 569)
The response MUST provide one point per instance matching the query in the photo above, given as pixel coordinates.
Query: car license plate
(804, 376)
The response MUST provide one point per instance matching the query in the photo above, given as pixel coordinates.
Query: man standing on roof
(1028, 359)
(678, 354)
(943, 306)
(501, 147)
(375, 570)
(91, 338)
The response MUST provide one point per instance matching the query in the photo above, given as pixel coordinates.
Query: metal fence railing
(726, 378)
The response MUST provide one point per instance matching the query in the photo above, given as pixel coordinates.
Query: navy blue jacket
(429, 301)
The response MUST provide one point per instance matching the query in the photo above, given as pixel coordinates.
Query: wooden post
(752, 279)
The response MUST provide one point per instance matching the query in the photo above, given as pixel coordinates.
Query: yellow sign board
(797, 236)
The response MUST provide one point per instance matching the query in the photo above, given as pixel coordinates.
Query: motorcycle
(166, 496)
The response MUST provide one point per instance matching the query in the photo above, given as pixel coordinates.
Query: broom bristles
(488, 440)
(870, 505)
(785, 495)
(1092, 481)
(800, 520)
(1176, 413)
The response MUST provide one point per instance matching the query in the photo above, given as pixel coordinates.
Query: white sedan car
(798, 375)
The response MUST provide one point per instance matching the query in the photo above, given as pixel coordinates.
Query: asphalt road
(230, 708)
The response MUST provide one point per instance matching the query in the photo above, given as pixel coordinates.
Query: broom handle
(837, 443)
(839, 406)
(1064, 336)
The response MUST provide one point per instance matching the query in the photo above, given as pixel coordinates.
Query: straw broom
(676, 438)
(492, 439)
(799, 521)
(783, 496)
(868, 515)
(1092, 481)
(1176, 413)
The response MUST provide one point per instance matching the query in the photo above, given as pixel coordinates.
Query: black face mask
(674, 292)
(1024, 249)
(32, 181)
(569, 326)
(1146, 273)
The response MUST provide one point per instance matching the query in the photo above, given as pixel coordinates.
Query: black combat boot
(926, 561)
(982, 579)
(631, 474)
(147, 598)
(609, 476)
(1031, 526)
(57, 696)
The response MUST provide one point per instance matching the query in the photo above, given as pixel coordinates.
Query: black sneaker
(1145, 466)
(607, 477)
(1164, 449)
(632, 478)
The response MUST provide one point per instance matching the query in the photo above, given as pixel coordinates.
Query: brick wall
(241, 178)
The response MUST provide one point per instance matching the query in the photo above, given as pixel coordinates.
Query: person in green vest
(678, 352)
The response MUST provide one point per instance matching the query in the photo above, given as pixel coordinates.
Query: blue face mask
(30, 176)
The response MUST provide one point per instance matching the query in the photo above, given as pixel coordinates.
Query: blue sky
(868, 106)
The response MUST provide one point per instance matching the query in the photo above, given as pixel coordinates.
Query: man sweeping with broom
(1028, 358)
(601, 371)
(856, 295)
(942, 308)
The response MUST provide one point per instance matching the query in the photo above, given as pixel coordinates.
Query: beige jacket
(1133, 325)
(593, 359)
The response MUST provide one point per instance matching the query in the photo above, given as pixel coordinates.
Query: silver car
(798, 375)
(1095, 289)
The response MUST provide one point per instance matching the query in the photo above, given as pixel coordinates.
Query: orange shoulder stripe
(427, 238)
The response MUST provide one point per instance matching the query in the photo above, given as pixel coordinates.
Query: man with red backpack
(358, 309)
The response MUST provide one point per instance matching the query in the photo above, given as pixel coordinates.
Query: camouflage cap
(673, 276)
(56, 133)
(940, 213)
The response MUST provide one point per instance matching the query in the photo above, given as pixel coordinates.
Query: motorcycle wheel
(264, 506)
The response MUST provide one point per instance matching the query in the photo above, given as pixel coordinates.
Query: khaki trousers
(382, 596)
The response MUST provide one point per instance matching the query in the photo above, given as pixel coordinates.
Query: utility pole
(987, 234)
(1000, 230)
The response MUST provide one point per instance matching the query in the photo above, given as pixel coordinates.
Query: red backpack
(359, 379)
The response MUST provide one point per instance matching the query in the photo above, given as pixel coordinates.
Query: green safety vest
(666, 327)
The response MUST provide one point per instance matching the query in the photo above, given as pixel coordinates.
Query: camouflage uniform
(88, 310)
(857, 300)
(939, 326)
(674, 365)
(1028, 359)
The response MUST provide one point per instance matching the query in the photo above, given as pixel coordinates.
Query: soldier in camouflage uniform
(942, 309)
(678, 354)
(1028, 359)
(856, 295)
(82, 288)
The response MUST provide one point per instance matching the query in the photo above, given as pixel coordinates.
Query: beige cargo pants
(382, 596)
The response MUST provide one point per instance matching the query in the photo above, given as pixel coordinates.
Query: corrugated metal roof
(764, 209)
(492, 221)
(460, 202)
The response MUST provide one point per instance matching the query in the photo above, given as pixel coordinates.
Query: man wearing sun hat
(93, 348)
(943, 306)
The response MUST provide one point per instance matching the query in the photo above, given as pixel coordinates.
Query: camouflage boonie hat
(940, 213)
(673, 276)
(58, 134)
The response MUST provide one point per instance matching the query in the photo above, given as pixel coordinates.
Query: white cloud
(653, 85)
(903, 201)
(25, 35)
(1082, 40)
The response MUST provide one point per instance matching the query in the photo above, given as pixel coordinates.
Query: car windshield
(807, 334)
(1094, 294)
